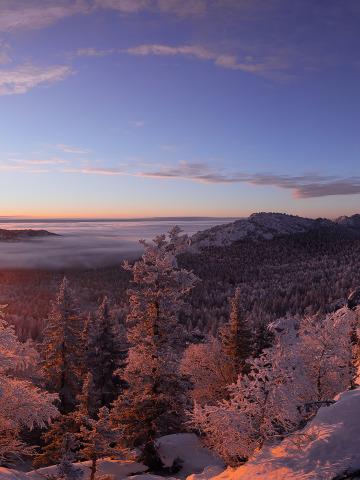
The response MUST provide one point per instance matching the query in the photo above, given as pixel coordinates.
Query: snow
(121, 469)
(326, 447)
(186, 447)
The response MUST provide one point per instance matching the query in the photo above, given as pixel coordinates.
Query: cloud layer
(302, 186)
(88, 244)
(307, 185)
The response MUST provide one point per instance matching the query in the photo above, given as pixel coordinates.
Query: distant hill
(266, 226)
(22, 235)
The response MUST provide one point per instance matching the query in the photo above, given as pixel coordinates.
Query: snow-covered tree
(326, 352)
(105, 354)
(210, 371)
(62, 349)
(154, 403)
(262, 405)
(21, 403)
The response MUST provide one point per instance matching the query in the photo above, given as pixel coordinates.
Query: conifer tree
(98, 438)
(105, 354)
(62, 349)
(236, 336)
(154, 403)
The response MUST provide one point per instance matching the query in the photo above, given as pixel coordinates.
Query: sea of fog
(89, 244)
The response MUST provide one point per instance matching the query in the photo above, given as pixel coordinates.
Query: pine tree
(154, 403)
(62, 349)
(236, 336)
(105, 354)
(21, 403)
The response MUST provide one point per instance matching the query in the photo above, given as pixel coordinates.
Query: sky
(143, 108)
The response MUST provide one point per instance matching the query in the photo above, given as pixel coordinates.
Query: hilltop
(23, 235)
(266, 226)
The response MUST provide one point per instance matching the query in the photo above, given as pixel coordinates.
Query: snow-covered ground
(184, 448)
(326, 448)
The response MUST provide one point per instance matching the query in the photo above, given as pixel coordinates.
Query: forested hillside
(296, 273)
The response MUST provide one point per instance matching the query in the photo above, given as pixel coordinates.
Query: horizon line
(107, 219)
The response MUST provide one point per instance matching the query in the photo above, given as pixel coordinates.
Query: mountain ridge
(267, 225)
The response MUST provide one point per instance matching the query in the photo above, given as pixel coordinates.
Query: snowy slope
(326, 448)
(265, 226)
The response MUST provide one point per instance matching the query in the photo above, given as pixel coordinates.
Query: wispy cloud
(125, 6)
(138, 123)
(23, 78)
(22, 14)
(166, 50)
(93, 52)
(270, 67)
(21, 168)
(180, 8)
(30, 161)
(96, 171)
(4, 53)
(302, 186)
(68, 149)
(169, 148)
(184, 8)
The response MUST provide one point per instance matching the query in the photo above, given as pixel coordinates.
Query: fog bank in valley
(87, 244)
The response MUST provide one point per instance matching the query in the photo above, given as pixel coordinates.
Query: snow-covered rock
(187, 450)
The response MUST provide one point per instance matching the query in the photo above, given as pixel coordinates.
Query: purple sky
(126, 108)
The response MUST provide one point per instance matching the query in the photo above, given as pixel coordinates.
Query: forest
(299, 273)
(240, 345)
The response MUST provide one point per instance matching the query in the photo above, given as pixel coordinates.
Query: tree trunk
(93, 468)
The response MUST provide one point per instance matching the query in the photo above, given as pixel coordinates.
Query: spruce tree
(236, 336)
(62, 349)
(105, 354)
(154, 403)
(98, 438)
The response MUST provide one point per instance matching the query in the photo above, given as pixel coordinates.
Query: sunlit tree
(154, 403)
(62, 349)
